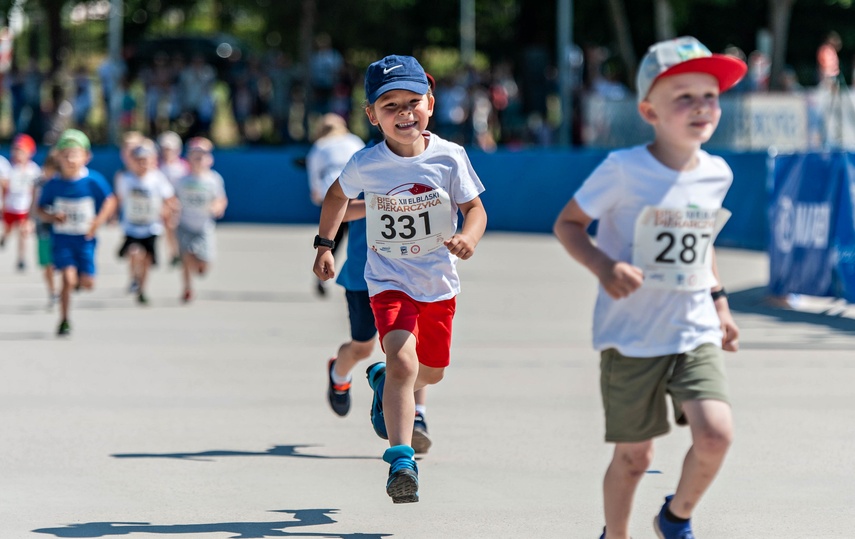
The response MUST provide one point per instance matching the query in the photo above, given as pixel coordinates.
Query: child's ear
(369, 111)
(647, 112)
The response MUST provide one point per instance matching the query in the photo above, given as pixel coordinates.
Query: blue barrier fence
(526, 189)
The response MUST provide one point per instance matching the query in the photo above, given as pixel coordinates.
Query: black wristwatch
(323, 242)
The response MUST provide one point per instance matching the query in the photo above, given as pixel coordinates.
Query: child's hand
(59, 217)
(621, 279)
(730, 332)
(91, 233)
(461, 246)
(324, 266)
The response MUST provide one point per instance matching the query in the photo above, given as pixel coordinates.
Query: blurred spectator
(451, 109)
(789, 82)
(196, 85)
(82, 96)
(161, 96)
(759, 68)
(606, 82)
(325, 66)
(110, 74)
(828, 61)
(743, 85)
(282, 75)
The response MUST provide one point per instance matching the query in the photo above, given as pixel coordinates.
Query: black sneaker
(421, 439)
(64, 328)
(338, 394)
(142, 299)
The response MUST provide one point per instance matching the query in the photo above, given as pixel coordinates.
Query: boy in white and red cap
(661, 319)
(18, 180)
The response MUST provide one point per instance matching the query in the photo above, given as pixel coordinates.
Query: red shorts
(429, 322)
(14, 218)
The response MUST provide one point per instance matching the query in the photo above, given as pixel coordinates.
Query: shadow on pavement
(756, 301)
(275, 451)
(243, 530)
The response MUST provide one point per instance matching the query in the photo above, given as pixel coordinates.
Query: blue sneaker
(665, 529)
(603, 536)
(377, 380)
(403, 483)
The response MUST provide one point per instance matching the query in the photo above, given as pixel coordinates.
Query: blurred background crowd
(253, 72)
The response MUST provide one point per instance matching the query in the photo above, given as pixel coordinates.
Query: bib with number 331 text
(408, 225)
(673, 246)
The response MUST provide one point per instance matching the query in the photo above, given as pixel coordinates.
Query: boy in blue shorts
(661, 318)
(76, 203)
(414, 184)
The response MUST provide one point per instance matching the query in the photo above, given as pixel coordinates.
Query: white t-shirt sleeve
(601, 191)
(165, 186)
(5, 168)
(465, 184)
(349, 179)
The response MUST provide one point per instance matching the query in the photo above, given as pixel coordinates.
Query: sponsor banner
(812, 231)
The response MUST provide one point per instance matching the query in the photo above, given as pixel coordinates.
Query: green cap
(72, 138)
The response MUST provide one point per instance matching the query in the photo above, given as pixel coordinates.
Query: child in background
(146, 198)
(18, 183)
(414, 184)
(50, 168)
(174, 167)
(661, 319)
(76, 203)
(202, 199)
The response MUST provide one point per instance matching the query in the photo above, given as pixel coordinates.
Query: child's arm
(218, 206)
(729, 329)
(619, 279)
(332, 213)
(355, 210)
(474, 223)
(107, 210)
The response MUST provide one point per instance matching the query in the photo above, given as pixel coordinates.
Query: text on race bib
(79, 215)
(673, 246)
(408, 225)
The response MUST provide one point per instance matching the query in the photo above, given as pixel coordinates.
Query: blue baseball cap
(395, 73)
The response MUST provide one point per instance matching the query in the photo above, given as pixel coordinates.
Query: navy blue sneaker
(338, 395)
(421, 438)
(377, 380)
(603, 536)
(665, 529)
(403, 483)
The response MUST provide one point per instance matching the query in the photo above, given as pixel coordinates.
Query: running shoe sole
(421, 441)
(403, 486)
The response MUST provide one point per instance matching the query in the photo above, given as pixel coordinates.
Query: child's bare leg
(23, 233)
(49, 280)
(69, 282)
(629, 464)
(402, 370)
(421, 393)
(351, 353)
(188, 266)
(711, 423)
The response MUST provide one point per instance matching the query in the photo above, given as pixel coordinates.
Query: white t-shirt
(650, 321)
(326, 160)
(196, 194)
(22, 181)
(142, 202)
(443, 165)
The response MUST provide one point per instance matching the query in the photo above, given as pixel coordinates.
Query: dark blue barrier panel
(526, 189)
(812, 229)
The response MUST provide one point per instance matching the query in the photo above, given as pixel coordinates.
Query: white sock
(338, 380)
(420, 409)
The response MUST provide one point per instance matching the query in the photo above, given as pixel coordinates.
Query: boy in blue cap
(75, 203)
(661, 318)
(414, 184)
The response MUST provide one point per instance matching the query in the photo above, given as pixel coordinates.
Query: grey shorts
(200, 244)
(635, 389)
